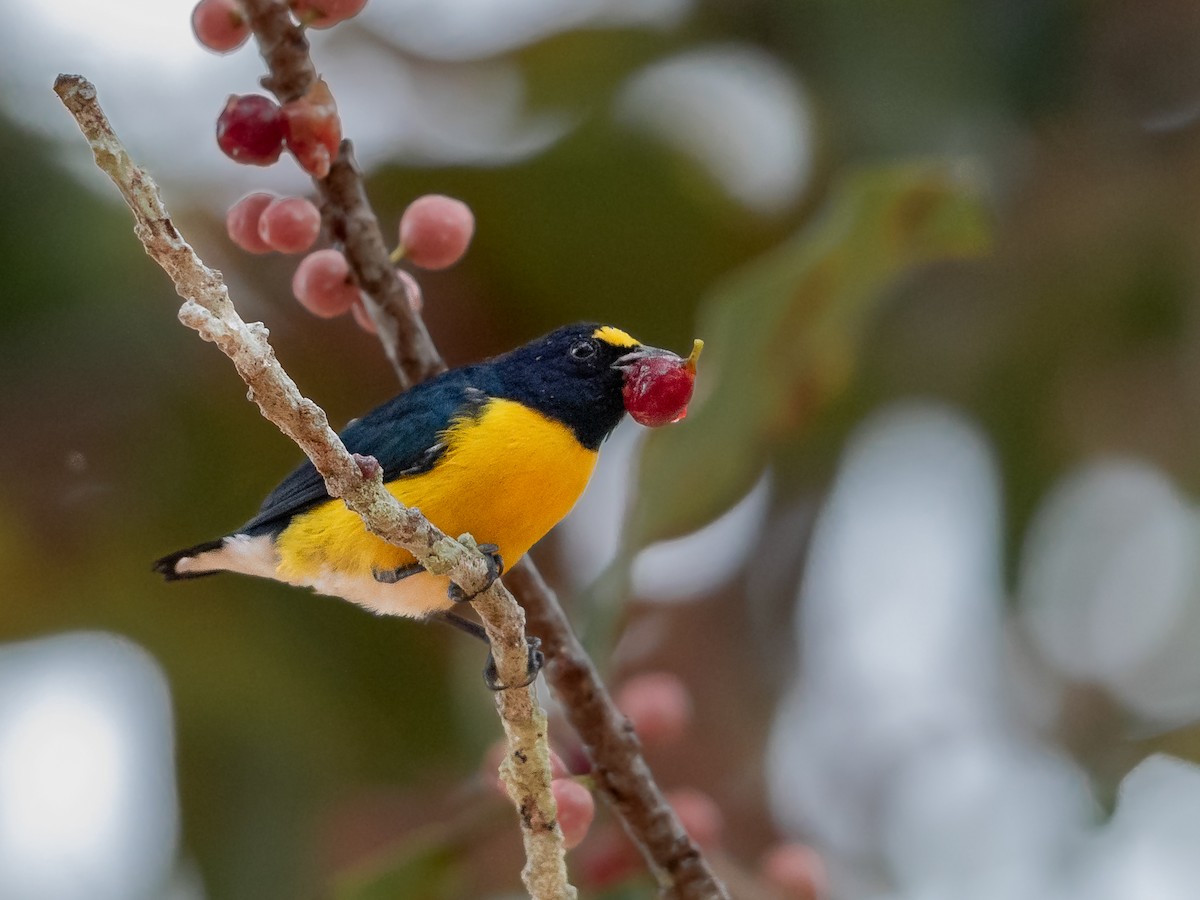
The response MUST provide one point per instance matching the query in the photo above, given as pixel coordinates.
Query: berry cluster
(255, 130)
(222, 26)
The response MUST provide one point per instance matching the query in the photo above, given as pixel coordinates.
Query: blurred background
(924, 553)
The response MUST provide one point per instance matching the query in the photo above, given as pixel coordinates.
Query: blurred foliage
(786, 334)
(1077, 336)
(425, 865)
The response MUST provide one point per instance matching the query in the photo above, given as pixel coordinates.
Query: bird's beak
(627, 362)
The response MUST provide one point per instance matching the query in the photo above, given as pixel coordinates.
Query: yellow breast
(508, 476)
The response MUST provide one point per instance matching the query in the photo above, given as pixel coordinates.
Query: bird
(501, 449)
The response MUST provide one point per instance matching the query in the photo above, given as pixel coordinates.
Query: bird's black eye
(583, 349)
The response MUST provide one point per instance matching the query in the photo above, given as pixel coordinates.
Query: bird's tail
(169, 566)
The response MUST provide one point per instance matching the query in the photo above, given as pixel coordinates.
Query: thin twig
(626, 783)
(357, 480)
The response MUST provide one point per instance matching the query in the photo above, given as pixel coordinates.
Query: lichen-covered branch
(357, 480)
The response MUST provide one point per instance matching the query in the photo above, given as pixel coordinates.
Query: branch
(618, 767)
(357, 480)
(625, 780)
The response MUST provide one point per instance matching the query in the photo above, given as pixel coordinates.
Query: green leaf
(782, 336)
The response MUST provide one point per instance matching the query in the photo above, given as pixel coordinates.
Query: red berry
(576, 809)
(220, 25)
(250, 129)
(323, 285)
(796, 871)
(699, 814)
(326, 13)
(313, 130)
(657, 388)
(290, 225)
(435, 231)
(659, 706)
(241, 222)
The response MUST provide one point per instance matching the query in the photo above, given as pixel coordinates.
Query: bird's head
(588, 375)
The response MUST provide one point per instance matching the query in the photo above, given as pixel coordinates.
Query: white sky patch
(673, 570)
(898, 622)
(736, 111)
(591, 534)
(163, 91)
(1108, 585)
(702, 561)
(1148, 848)
(468, 29)
(87, 794)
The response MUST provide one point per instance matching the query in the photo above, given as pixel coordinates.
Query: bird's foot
(391, 576)
(537, 659)
(495, 569)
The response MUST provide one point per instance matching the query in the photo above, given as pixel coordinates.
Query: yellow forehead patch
(615, 336)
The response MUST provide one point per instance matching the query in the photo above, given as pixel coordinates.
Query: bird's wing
(404, 435)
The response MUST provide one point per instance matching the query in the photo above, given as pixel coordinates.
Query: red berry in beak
(659, 384)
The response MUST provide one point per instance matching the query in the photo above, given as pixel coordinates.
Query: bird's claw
(495, 564)
(537, 659)
(391, 576)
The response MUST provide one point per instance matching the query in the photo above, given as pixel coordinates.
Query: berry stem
(398, 254)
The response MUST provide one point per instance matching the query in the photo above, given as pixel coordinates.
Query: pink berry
(659, 706)
(250, 130)
(610, 857)
(363, 318)
(576, 809)
(658, 388)
(796, 871)
(290, 225)
(220, 25)
(241, 222)
(323, 285)
(313, 130)
(326, 13)
(412, 292)
(411, 289)
(700, 816)
(435, 231)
